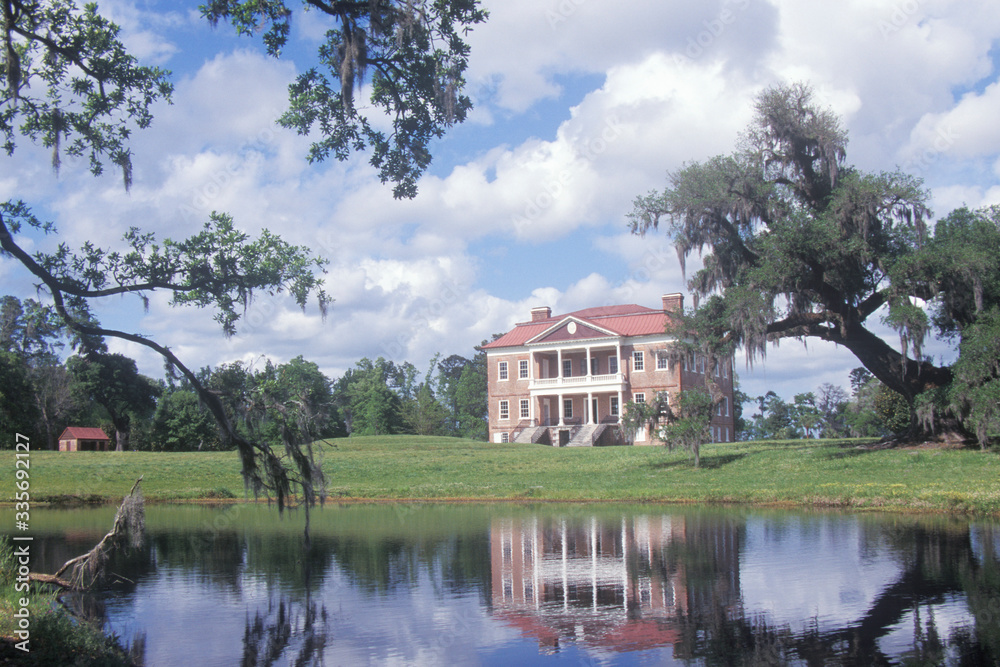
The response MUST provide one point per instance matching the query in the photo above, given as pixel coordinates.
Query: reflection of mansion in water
(618, 585)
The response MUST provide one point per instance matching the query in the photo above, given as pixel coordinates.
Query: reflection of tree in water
(122, 573)
(937, 565)
(285, 624)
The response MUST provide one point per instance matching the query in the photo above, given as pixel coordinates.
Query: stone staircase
(531, 434)
(587, 435)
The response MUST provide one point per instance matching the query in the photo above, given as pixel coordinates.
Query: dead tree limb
(128, 531)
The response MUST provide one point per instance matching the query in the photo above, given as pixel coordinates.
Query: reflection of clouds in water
(418, 625)
(475, 584)
(798, 570)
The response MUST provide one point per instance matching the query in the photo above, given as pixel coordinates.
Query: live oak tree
(797, 244)
(68, 84)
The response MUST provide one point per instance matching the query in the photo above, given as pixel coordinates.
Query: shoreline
(829, 505)
(842, 475)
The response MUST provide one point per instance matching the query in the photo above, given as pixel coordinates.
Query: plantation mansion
(564, 380)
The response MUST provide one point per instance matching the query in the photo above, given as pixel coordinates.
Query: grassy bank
(41, 633)
(793, 473)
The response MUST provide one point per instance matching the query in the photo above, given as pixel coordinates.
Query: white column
(590, 371)
(560, 409)
(619, 406)
(559, 363)
(591, 416)
(624, 565)
(618, 355)
(565, 573)
(593, 560)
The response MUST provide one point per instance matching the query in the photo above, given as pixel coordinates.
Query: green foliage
(773, 421)
(284, 405)
(975, 394)
(220, 267)
(424, 415)
(688, 422)
(891, 409)
(29, 329)
(181, 423)
(18, 411)
(471, 400)
(113, 382)
(412, 54)
(795, 243)
(375, 408)
(71, 86)
(806, 416)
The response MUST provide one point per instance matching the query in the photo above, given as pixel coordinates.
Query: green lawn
(804, 473)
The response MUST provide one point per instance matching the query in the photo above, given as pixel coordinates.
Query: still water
(519, 585)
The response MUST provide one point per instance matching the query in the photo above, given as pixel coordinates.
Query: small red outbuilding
(84, 439)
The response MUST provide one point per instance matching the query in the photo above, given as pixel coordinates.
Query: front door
(593, 412)
(545, 413)
(563, 438)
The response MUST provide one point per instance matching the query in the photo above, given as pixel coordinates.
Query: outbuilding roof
(83, 433)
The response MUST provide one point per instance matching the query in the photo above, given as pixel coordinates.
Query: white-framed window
(638, 360)
(524, 408)
(505, 437)
(567, 408)
(639, 397)
(567, 368)
(662, 362)
(583, 366)
(614, 406)
(504, 410)
(502, 370)
(594, 366)
(612, 365)
(522, 369)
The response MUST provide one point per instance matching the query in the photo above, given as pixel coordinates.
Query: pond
(438, 584)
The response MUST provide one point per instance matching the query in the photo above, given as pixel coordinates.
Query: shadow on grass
(707, 462)
(847, 450)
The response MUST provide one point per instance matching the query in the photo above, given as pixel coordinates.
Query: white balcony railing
(578, 381)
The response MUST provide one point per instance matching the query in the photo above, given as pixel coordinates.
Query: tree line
(41, 394)
(870, 410)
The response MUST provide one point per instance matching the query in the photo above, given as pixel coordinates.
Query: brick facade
(550, 377)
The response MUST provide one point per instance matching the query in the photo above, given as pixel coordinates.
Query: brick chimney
(540, 313)
(673, 303)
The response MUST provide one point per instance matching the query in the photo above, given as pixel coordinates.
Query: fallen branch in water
(128, 531)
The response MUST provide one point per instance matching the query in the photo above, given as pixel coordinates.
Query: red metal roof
(624, 320)
(83, 433)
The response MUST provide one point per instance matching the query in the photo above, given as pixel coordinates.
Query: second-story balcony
(607, 382)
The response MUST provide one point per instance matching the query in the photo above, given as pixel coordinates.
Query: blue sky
(581, 105)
